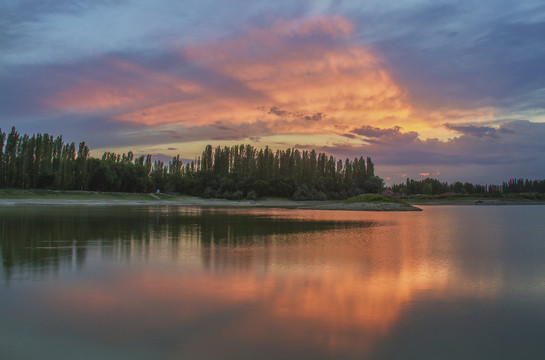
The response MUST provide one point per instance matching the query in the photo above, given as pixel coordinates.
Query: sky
(453, 90)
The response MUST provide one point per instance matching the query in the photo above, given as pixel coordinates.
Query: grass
(375, 198)
(368, 198)
(467, 198)
(532, 196)
(79, 195)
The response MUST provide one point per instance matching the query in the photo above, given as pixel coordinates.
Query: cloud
(514, 150)
(299, 70)
(113, 83)
(305, 72)
(412, 84)
(465, 54)
(316, 117)
(479, 131)
(65, 31)
(392, 135)
(375, 132)
(276, 111)
(330, 26)
(472, 130)
(296, 116)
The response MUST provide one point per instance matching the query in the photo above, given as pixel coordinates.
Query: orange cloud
(347, 83)
(120, 85)
(306, 67)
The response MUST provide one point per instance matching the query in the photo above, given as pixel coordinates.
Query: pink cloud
(307, 68)
(120, 85)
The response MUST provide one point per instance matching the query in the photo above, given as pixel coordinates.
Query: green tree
(374, 185)
(206, 159)
(81, 166)
(10, 158)
(2, 166)
(428, 188)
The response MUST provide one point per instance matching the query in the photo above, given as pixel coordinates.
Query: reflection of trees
(42, 240)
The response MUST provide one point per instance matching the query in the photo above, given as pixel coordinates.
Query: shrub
(375, 198)
(209, 192)
(252, 195)
(305, 192)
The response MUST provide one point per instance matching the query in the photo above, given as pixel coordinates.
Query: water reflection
(200, 283)
(41, 240)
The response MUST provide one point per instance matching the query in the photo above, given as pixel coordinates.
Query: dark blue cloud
(375, 132)
(472, 130)
(468, 53)
(389, 136)
(515, 150)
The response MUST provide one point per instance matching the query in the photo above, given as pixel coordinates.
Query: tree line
(430, 186)
(42, 161)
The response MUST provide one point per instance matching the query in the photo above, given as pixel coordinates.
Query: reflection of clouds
(341, 290)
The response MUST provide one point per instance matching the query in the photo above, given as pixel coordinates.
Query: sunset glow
(411, 86)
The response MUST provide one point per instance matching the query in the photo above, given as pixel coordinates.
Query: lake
(159, 282)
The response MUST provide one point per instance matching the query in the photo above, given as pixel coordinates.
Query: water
(188, 283)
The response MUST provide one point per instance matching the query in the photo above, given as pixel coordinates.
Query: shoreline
(477, 202)
(12, 197)
(212, 203)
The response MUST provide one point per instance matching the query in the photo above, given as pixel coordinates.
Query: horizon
(449, 90)
(168, 161)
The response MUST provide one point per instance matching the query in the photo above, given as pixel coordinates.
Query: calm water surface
(188, 283)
